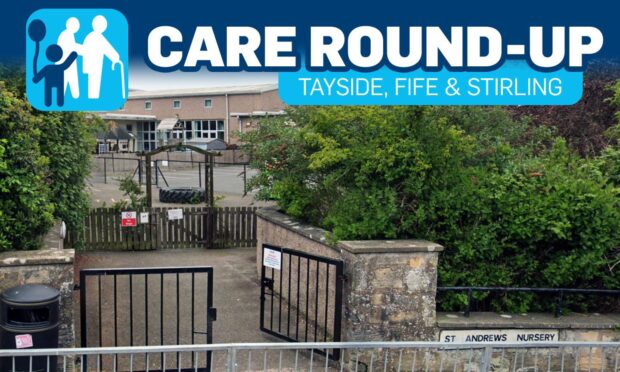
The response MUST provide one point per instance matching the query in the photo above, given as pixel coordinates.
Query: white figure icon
(94, 49)
(66, 41)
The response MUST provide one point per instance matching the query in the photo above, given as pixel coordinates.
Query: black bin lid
(30, 293)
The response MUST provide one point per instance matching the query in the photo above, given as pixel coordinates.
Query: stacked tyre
(182, 195)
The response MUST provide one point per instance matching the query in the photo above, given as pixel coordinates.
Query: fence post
(245, 179)
(199, 175)
(232, 358)
(140, 172)
(486, 359)
(105, 171)
(149, 195)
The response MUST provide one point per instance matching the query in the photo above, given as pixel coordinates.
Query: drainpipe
(227, 127)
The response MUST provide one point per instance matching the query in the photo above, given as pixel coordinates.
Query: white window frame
(205, 103)
(205, 132)
(176, 100)
(150, 104)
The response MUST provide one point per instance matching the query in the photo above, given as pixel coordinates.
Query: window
(147, 137)
(129, 127)
(148, 105)
(208, 129)
(208, 103)
(188, 129)
(176, 104)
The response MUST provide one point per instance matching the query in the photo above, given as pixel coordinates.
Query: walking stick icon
(36, 32)
(120, 63)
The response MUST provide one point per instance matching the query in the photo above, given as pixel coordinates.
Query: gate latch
(268, 283)
(212, 313)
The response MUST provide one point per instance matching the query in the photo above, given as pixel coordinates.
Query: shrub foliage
(44, 164)
(512, 205)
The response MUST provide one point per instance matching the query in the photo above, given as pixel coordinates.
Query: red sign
(23, 341)
(129, 219)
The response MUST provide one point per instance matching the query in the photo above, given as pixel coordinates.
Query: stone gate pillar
(390, 290)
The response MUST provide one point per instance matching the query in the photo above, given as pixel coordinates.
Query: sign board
(164, 163)
(499, 335)
(272, 258)
(23, 341)
(128, 219)
(175, 214)
(144, 217)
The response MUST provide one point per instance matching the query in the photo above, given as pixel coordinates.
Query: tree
(44, 164)
(585, 123)
(67, 141)
(512, 205)
(26, 212)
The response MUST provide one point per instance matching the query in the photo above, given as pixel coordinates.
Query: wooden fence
(102, 230)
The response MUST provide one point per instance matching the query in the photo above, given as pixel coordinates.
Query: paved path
(236, 288)
(236, 297)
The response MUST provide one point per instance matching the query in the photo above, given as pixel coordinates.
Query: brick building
(194, 116)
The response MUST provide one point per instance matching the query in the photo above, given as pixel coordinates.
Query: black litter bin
(29, 319)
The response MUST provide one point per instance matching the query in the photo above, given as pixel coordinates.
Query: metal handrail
(302, 346)
(379, 356)
(559, 291)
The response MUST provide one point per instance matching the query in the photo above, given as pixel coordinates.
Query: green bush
(67, 141)
(511, 204)
(44, 164)
(26, 211)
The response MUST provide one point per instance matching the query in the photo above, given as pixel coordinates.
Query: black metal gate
(147, 306)
(302, 300)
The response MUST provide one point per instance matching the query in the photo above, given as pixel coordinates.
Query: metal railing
(354, 356)
(302, 300)
(558, 292)
(157, 306)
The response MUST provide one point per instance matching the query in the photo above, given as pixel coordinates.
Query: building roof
(209, 91)
(258, 113)
(167, 123)
(122, 116)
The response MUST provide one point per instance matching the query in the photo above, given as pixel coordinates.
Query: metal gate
(147, 306)
(301, 296)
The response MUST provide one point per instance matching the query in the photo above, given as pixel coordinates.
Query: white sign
(175, 214)
(23, 341)
(144, 217)
(272, 258)
(499, 335)
(128, 219)
(164, 163)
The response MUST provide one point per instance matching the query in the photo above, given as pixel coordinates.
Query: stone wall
(390, 295)
(53, 267)
(572, 327)
(591, 327)
(389, 291)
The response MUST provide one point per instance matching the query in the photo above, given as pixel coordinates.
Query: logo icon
(76, 59)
